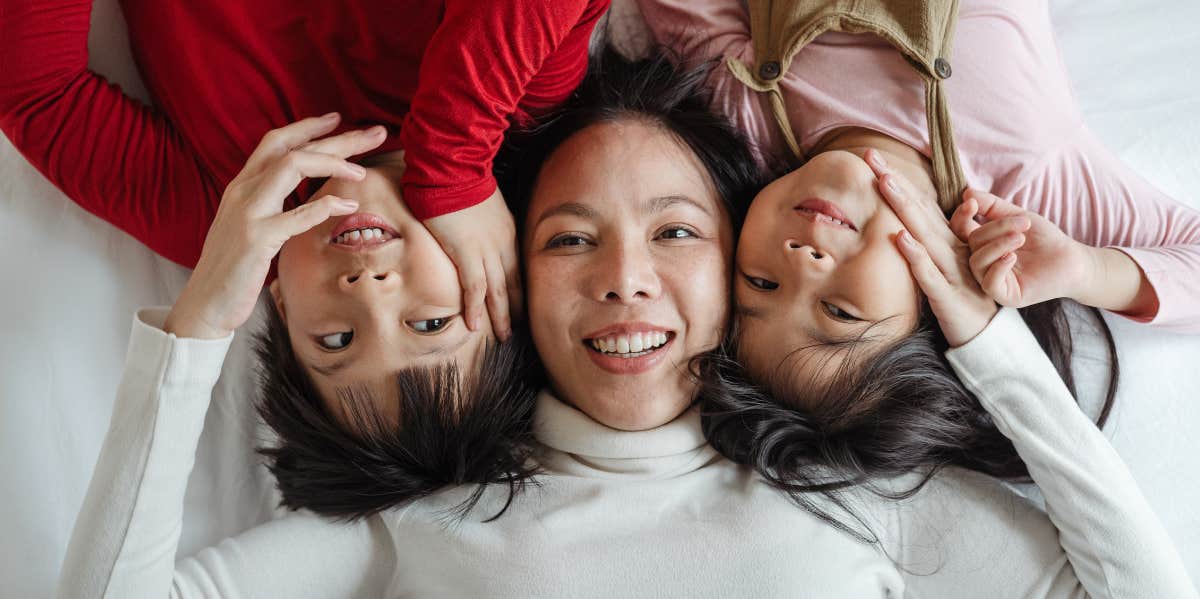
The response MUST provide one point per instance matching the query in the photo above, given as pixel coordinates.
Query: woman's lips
(628, 348)
(825, 212)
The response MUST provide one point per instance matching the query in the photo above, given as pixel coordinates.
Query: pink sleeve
(702, 30)
(115, 157)
(1098, 200)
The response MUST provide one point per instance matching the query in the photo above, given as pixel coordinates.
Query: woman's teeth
(630, 346)
(358, 236)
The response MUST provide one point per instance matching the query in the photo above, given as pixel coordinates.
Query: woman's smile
(628, 348)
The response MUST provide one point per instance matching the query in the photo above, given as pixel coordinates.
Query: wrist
(187, 321)
(1115, 282)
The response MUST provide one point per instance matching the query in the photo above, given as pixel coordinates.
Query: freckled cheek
(552, 288)
(701, 290)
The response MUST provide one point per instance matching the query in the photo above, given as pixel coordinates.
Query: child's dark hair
(454, 428)
(898, 411)
(654, 90)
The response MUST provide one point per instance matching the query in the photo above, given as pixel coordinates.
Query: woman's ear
(277, 297)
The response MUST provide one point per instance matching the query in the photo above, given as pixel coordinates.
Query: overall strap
(922, 30)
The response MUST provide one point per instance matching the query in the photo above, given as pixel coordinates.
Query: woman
(832, 325)
(630, 498)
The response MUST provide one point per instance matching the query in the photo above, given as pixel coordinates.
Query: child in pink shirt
(1018, 128)
(844, 262)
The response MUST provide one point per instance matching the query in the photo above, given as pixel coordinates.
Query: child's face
(356, 309)
(626, 248)
(805, 282)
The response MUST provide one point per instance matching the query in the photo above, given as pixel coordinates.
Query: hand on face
(938, 259)
(250, 226)
(482, 242)
(1019, 258)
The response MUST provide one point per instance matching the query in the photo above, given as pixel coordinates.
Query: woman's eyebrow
(662, 203)
(568, 209)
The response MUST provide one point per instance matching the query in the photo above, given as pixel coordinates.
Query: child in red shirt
(361, 300)
(447, 76)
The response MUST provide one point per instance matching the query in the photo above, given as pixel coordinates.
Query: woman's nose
(628, 276)
(365, 280)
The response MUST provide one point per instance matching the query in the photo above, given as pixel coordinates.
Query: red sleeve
(115, 157)
(484, 61)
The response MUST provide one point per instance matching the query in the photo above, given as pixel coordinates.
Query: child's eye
(676, 232)
(760, 283)
(431, 325)
(336, 341)
(567, 240)
(839, 313)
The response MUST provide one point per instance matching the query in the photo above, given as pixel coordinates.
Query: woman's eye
(677, 233)
(839, 313)
(761, 283)
(336, 341)
(432, 325)
(567, 240)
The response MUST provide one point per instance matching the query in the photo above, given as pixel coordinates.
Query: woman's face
(627, 252)
(361, 305)
(807, 283)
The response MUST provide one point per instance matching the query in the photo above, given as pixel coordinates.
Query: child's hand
(250, 226)
(936, 257)
(1018, 257)
(482, 242)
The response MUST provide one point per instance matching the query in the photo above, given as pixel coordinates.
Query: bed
(71, 283)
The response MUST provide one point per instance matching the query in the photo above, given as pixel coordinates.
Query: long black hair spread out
(454, 428)
(459, 428)
(898, 411)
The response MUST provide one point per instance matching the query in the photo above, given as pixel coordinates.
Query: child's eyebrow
(447, 348)
(332, 369)
(745, 311)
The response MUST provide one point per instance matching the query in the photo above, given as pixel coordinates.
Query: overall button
(768, 70)
(941, 66)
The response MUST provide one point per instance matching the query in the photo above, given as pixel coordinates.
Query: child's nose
(808, 257)
(368, 279)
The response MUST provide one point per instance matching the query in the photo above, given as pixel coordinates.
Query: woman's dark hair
(656, 91)
(454, 428)
(898, 411)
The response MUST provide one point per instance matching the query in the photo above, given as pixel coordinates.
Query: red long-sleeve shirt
(446, 75)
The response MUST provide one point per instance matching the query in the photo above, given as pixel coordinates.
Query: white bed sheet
(70, 284)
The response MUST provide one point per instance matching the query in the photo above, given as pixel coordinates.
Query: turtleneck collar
(576, 444)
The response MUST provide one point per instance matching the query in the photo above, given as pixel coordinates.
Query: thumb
(993, 207)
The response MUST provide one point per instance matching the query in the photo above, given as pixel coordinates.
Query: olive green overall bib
(922, 30)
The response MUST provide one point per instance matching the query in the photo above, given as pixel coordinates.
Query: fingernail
(891, 184)
(347, 204)
(377, 130)
(1009, 257)
(329, 116)
(358, 170)
(905, 237)
(877, 159)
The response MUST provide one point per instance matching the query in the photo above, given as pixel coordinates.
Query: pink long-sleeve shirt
(1019, 130)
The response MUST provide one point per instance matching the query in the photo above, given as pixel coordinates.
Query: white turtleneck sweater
(635, 514)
